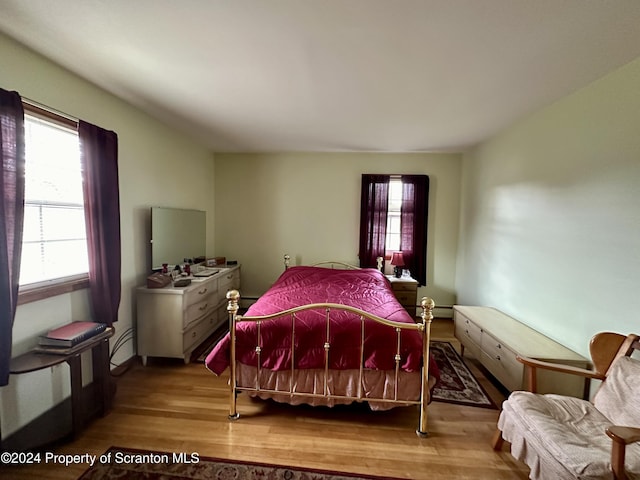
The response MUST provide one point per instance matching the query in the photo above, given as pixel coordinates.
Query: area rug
(457, 383)
(133, 464)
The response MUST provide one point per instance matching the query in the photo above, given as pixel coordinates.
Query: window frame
(57, 286)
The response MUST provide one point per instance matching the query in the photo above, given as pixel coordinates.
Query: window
(393, 217)
(392, 242)
(54, 244)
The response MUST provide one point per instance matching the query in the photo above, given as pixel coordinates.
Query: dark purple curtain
(11, 218)
(99, 156)
(413, 223)
(374, 204)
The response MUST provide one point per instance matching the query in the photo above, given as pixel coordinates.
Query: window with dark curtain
(99, 155)
(413, 221)
(12, 161)
(374, 204)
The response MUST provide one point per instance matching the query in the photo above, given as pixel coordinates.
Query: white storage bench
(494, 339)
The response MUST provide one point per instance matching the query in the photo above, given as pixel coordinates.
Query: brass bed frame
(424, 327)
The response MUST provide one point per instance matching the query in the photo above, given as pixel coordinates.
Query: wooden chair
(563, 437)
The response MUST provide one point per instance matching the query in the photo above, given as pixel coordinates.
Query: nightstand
(406, 291)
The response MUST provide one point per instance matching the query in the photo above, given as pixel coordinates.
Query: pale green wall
(548, 225)
(157, 167)
(550, 218)
(308, 205)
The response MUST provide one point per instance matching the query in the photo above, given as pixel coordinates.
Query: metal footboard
(424, 327)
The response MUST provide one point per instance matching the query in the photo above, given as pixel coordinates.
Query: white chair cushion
(619, 397)
(571, 430)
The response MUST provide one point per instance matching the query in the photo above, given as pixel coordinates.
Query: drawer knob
(203, 291)
(497, 357)
(499, 346)
(193, 335)
(204, 307)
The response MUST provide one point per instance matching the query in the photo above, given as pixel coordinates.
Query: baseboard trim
(53, 427)
(443, 312)
(119, 370)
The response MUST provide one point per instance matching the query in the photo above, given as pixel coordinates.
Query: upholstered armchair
(562, 437)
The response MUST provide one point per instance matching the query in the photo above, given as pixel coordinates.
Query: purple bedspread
(366, 289)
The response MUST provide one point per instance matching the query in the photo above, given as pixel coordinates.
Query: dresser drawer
(502, 362)
(500, 370)
(223, 314)
(404, 287)
(468, 334)
(197, 310)
(198, 293)
(406, 298)
(199, 331)
(466, 329)
(230, 281)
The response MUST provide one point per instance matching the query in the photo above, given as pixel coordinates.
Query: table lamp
(398, 262)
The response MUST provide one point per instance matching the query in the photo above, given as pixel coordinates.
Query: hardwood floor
(174, 407)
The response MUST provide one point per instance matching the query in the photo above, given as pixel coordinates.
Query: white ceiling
(333, 75)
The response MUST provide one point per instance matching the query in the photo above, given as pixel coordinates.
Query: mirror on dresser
(177, 234)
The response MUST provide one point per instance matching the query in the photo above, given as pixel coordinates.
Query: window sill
(34, 293)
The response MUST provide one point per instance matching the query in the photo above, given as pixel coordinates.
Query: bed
(327, 336)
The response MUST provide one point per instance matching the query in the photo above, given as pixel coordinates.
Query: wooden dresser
(494, 339)
(406, 291)
(173, 321)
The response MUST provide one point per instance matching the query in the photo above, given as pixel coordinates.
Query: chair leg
(497, 440)
(617, 460)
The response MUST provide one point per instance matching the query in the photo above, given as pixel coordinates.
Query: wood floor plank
(169, 406)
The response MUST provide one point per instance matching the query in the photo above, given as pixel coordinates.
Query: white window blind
(393, 216)
(54, 237)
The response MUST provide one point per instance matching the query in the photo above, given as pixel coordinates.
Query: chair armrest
(624, 435)
(532, 365)
(621, 436)
(559, 367)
